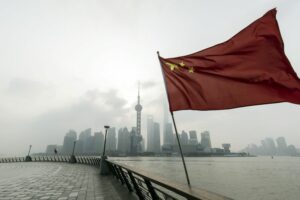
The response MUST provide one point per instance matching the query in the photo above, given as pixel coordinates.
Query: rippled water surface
(241, 178)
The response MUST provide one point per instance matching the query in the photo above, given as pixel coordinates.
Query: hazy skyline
(75, 65)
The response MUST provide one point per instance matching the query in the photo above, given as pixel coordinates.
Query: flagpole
(179, 145)
(178, 141)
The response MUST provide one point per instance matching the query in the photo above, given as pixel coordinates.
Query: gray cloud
(148, 84)
(93, 109)
(26, 87)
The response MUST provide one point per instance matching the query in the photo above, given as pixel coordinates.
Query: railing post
(136, 187)
(125, 179)
(119, 174)
(151, 189)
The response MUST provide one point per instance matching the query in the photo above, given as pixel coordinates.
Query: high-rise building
(99, 141)
(281, 146)
(123, 141)
(270, 146)
(85, 140)
(292, 150)
(193, 138)
(68, 144)
(184, 139)
(168, 137)
(138, 137)
(205, 140)
(135, 142)
(150, 130)
(111, 140)
(156, 137)
(165, 121)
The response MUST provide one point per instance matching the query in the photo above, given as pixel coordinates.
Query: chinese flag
(248, 69)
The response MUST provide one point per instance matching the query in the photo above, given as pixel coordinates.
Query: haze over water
(249, 178)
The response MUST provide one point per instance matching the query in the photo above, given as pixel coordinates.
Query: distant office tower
(168, 137)
(50, 149)
(69, 139)
(205, 140)
(270, 146)
(281, 146)
(123, 141)
(143, 145)
(156, 137)
(226, 147)
(138, 136)
(111, 140)
(98, 143)
(120, 146)
(193, 138)
(83, 143)
(165, 120)
(184, 139)
(135, 142)
(292, 150)
(150, 134)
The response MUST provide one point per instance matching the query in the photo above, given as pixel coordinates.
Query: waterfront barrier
(149, 186)
(145, 185)
(89, 160)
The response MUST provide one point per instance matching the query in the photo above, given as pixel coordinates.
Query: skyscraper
(184, 139)
(153, 135)
(205, 140)
(111, 142)
(98, 144)
(69, 139)
(156, 137)
(193, 138)
(138, 135)
(150, 130)
(85, 140)
(270, 146)
(135, 142)
(168, 137)
(282, 146)
(124, 141)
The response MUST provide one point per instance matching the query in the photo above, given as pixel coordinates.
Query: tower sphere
(138, 107)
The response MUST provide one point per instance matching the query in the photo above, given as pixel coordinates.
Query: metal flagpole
(185, 170)
(178, 141)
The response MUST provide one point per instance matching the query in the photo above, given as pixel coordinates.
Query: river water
(241, 178)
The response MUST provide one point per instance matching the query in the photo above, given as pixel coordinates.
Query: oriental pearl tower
(138, 109)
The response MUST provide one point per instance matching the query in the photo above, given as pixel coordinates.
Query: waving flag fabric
(249, 69)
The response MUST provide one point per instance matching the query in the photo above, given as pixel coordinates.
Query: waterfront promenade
(31, 180)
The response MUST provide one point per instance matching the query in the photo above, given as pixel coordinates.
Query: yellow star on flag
(191, 69)
(172, 66)
(182, 64)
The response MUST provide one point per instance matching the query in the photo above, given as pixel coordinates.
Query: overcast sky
(76, 64)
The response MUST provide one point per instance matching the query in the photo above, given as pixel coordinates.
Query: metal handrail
(149, 186)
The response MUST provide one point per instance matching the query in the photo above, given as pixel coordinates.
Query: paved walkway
(58, 181)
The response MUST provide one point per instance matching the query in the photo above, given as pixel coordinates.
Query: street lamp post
(103, 165)
(73, 158)
(29, 150)
(28, 158)
(106, 128)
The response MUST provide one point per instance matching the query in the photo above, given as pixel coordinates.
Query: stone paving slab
(61, 181)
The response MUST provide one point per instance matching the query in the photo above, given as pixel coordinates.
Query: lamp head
(106, 126)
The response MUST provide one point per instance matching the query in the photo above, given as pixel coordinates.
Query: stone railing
(89, 160)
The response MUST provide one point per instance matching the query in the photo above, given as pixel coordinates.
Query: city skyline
(60, 69)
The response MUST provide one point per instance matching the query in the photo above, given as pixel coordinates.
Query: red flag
(248, 69)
